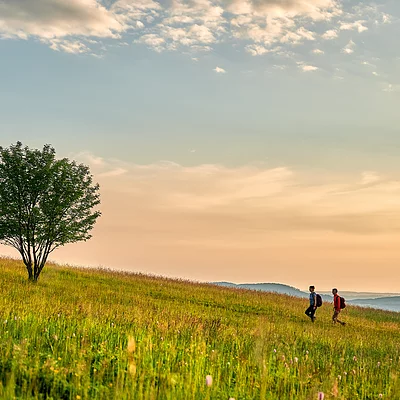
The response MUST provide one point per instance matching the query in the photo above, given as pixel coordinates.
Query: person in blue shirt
(310, 312)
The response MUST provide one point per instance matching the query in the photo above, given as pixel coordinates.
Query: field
(95, 334)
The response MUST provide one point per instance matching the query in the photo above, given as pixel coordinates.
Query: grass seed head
(131, 345)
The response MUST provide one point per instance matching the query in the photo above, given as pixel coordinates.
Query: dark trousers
(310, 312)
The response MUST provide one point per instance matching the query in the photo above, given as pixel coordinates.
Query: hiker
(338, 305)
(310, 312)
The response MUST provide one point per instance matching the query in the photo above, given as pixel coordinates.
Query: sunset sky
(234, 140)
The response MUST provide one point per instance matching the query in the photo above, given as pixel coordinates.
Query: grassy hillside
(86, 334)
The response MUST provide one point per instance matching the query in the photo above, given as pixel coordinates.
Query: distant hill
(391, 303)
(266, 287)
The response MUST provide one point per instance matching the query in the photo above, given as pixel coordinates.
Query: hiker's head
(312, 288)
(334, 291)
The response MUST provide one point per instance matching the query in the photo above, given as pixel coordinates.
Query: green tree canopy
(45, 203)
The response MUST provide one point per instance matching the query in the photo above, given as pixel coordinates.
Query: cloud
(49, 19)
(356, 25)
(318, 51)
(269, 198)
(256, 49)
(330, 34)
(259, 27)
(349, 48)
(391, 88)
(113, 173)
(307, 68)
(219, 70)
(314, 9)
(153, 41)
(69, 46)
(370, 177)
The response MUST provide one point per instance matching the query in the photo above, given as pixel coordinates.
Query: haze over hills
(266, 287)
(383, 301)
(363, 295)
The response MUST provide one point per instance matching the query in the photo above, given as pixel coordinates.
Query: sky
(233, 140)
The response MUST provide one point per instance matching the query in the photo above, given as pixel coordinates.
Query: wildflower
(379, 364)
(132, 368)
(321, 395)
(78, 397)
(208, 380)
(231, 398)
(344, 373)
(274, 349)
(307, 354)
(380, 395)
(296, 359)
(131, 345)
(354, 358)
(339, 377)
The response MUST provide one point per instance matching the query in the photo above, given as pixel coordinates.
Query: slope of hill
(92, 334)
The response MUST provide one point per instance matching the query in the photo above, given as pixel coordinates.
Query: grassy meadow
(95, 334)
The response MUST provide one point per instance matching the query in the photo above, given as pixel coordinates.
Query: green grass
(90, 334)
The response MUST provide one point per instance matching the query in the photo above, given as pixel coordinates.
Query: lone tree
(45, 203)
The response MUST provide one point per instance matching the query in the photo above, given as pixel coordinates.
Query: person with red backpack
(338, 305)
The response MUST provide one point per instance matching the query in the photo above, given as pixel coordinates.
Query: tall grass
(91, 334)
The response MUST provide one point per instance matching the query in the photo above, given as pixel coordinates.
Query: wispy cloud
(113, 173)
(307, 68)
(349, 48)
(391, 88)
(219, 70)
(254, 193)
(368, 177)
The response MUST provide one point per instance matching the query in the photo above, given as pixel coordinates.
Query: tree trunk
(30, 272)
